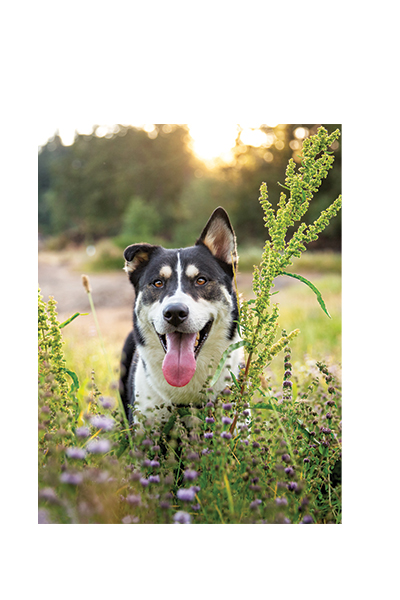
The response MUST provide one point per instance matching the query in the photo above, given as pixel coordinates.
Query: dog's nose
(176, 314)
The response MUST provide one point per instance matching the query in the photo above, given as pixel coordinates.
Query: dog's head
(185, 297)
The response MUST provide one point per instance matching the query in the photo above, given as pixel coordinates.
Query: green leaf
(74, 377)
(235, 381)
(72, 318)
(225, 355)
(312, 287)
(262, 405)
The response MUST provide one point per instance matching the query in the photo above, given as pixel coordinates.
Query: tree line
(151, 187)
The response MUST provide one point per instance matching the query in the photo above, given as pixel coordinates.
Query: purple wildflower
(97, 446)
(75, 452)
(226, 435)
(49, 495)
(147, 442)
(208, 435)
(255, 503)
(71, 478)
(227, 406)
(292, 486)
(182, 517)
(154, 463)
(281, 501)
(43, 517)
(289, 471)
(210, 420)
(186, 494)
(287, 384)
(190, 474)
(145, 482)
(154, 479)
(82, 432)
(107, 401)
(226, 420)
(133, 499)
(307, 520)
(130, 519)
(102, 422)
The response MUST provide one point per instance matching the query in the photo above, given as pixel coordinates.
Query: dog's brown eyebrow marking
(166, 272)
(191, 271)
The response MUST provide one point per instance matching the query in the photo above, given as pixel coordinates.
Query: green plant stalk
(121, 408)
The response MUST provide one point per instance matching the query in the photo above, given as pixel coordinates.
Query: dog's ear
(218, 236)
(137, 255)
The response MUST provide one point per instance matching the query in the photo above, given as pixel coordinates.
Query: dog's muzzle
(181, 348)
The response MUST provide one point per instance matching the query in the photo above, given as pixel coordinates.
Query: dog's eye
(158, 283)
(201, 281)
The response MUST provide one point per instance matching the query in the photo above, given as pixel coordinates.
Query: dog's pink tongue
(179, 363)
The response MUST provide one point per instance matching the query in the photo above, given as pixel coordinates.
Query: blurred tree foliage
(142, 186)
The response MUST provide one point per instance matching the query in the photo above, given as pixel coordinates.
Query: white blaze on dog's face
(185, 302)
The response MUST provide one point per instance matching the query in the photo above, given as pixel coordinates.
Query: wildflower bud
(328, 415)
(85, 281)
(287, 384)
(331, 390)
(287, 374)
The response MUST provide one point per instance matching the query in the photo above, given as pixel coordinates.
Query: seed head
(86, 285)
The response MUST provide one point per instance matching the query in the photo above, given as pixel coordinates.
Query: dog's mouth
(181, 351)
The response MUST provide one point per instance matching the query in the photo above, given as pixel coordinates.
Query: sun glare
(213, 141)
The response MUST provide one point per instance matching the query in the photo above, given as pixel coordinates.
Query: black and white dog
(185, 317)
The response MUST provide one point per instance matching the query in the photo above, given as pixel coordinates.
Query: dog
(185, 317)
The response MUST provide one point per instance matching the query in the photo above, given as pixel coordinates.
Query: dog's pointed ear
(218, 236)
(137, 255)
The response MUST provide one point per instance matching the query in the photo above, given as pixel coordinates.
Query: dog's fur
(177, 294)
